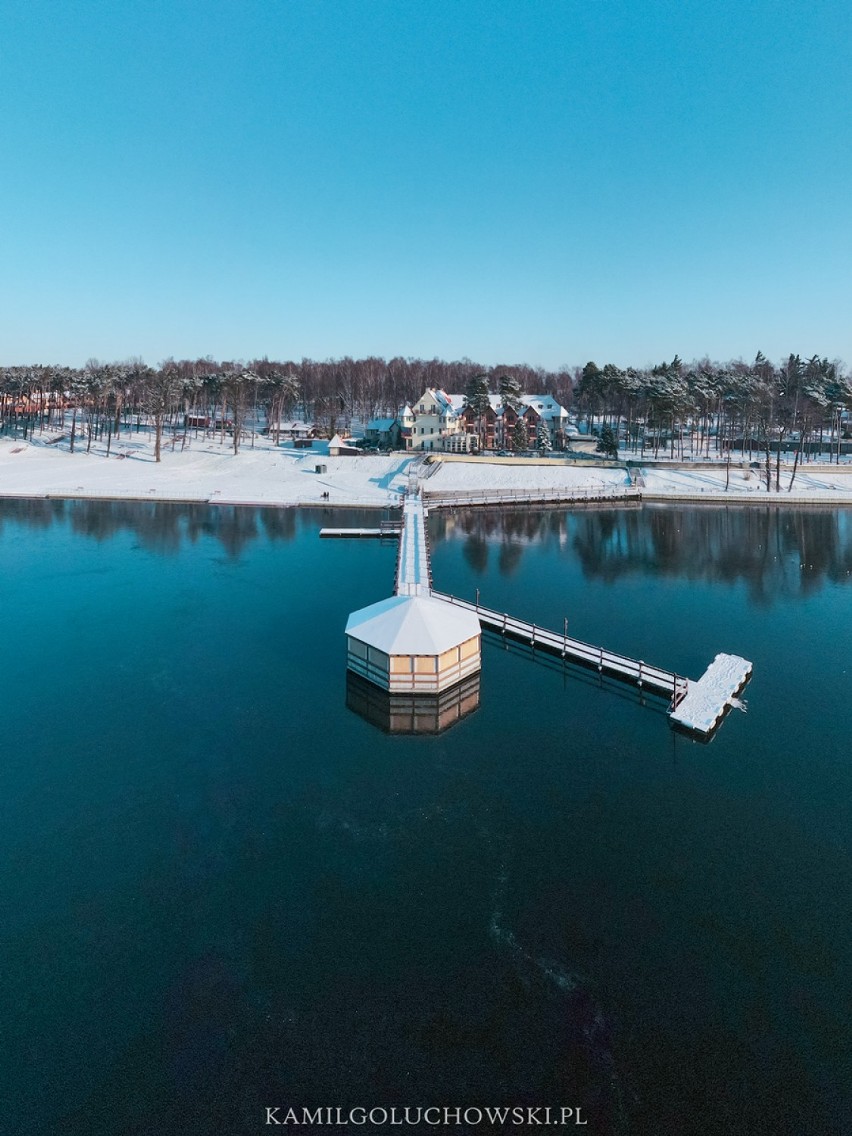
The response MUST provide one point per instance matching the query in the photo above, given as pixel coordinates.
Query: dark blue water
(222, 890)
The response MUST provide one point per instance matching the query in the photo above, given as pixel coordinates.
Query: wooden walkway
(654, 679)
(441, 499)
(413, 562)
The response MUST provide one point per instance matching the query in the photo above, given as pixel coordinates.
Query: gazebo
(413, 644)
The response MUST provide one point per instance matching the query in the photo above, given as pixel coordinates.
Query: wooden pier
(665, 683)
(696, 706)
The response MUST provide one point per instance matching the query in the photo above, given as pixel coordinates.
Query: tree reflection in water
(775, 550)
(163, 527)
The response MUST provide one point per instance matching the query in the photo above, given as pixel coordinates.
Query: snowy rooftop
(412, 625)
(544, 404)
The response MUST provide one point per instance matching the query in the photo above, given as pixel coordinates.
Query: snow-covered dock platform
(355, 534)
(707, 699)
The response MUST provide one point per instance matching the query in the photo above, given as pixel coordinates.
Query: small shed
(413, 643)
(338, 448)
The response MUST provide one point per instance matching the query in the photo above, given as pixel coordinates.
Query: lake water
(222, 890)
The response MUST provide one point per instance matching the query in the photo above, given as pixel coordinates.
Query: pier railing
(634, 671)
(437, 499)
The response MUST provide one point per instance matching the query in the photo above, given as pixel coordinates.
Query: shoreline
(281, 477)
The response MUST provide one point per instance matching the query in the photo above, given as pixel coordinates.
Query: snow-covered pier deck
(413, 569)
(696, 706)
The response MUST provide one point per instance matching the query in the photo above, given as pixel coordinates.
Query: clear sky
(523, 181)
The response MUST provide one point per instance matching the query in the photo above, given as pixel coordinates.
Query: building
(545, 406)
(413, 644)
(384, 433)
(435, 423)
(443, 422)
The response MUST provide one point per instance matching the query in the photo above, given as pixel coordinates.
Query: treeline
(704, 408)
(104, 398)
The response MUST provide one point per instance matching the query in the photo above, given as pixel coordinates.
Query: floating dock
(706, 701)
(387, 529)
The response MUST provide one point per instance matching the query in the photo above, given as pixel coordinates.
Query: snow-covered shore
(265, 474)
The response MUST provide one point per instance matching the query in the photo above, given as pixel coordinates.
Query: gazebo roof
(412, 625)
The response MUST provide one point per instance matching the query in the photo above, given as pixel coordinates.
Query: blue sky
(512, 182)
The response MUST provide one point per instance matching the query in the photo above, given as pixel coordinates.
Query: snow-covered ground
(833, 482)
(206, 470)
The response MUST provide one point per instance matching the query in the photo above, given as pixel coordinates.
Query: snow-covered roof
(412, 625)
(456, 401)
(445, 401)
(544, 404)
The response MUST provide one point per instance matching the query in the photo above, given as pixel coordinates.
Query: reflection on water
(775, 551)
(222, 891)
(411, 713)
(165, 527)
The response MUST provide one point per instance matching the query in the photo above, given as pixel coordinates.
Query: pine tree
(510, 391)
(520, 437)
(542, 437)
(607, 443)
(476, 395)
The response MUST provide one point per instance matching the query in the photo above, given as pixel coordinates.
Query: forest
(670, 409)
